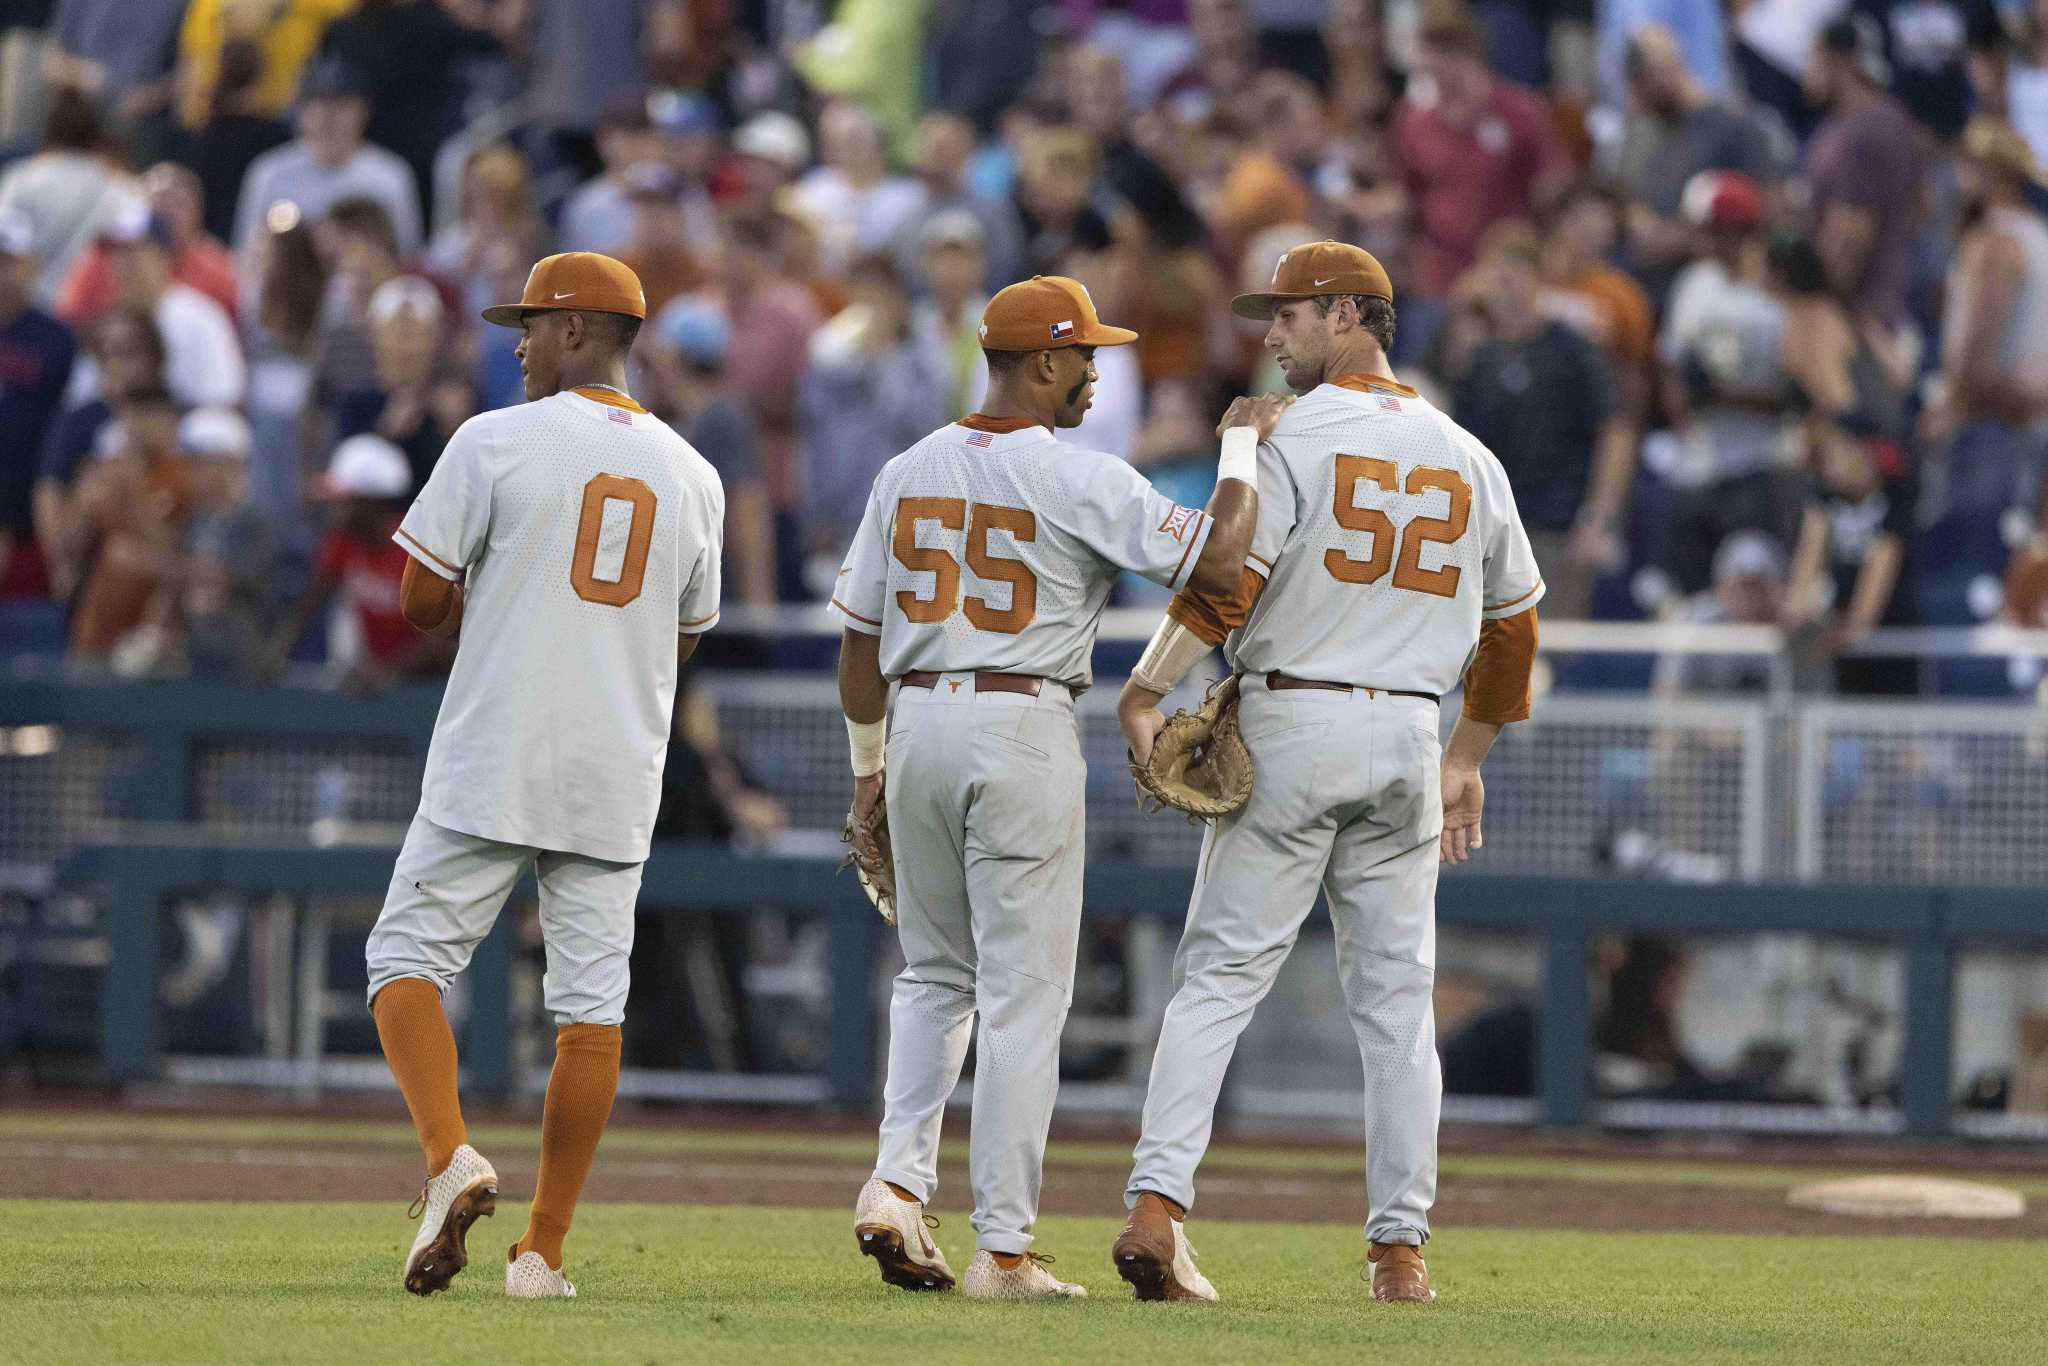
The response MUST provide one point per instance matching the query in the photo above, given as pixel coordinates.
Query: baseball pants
(985, 816)
(448, 888)
(1348, 796)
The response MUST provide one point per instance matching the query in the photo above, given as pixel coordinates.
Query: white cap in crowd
(215, 431)
(405, 294)
(366, 466)
(774, 136)
(17, 233)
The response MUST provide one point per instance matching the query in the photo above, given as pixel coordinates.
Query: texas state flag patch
(1062, 331)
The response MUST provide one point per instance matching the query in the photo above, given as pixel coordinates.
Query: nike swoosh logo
(1318, 284)
(564, 296)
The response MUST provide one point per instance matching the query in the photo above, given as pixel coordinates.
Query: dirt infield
(1588, 1184)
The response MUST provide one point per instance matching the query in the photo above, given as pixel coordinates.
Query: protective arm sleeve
(1497, 683)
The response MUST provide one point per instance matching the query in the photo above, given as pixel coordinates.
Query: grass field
(233, 1283)
(315, 1280)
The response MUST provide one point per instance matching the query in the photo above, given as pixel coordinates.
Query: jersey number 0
(1408, 572)
(622, 585)
(953, 515)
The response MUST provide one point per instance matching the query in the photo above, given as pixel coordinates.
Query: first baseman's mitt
(871, 858)
(1199, 763)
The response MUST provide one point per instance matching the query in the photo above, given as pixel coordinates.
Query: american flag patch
(620, 416)
(1389, 405)
(1178, 521)
(1062, 331)
(979, 438)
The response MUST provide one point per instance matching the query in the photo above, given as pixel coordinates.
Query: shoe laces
(419, 1204)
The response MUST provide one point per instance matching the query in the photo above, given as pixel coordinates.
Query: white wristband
(1240, 458)
(868, 739)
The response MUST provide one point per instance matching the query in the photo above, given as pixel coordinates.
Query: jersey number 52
(954, 515)
(1420, 531)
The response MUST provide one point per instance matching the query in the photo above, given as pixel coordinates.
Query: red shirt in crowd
(1462, 179)
(88, 290)
(367, 576)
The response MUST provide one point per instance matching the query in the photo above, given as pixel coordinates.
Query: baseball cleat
(465, 1191)
(529, 1277)
(1028, 1280)
(892, 1231)
(1395, 1272)
(1154, 1255)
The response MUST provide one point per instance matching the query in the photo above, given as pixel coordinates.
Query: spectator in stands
(657, 245)
(366, 488)
(1471, 156)
(287, 32)
(362, 249)
(1771, 42)
(1849, 566)
(1747, 588)
(1542, 398)
(129, 354)
(282, 329)
(939, 156)
(1694, 28)
(1847, 365)
(1930, 46)
(598, 215)
(1864, 169)
(874, 388)
(237, 130)
(35, 367)
(859, 205)
(116, 51)
(799, 244)
(66, 189)
(1992, 402)
(1170, 281)
(768, 152)
(947, 315)
(197, 258)
(220, 591)
(2025, 102)
(408, 54)
(1724, 382)
(133, 501)
(1056, 171)
(772, 320)
(690, 130)
(329, 162)
(1586, 293)
(1267, 183)
(685, 361)
(202, 356)
(420, 392)
(1677, 129)
(496, 230)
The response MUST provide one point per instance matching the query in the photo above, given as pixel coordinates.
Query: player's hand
(1141, 721)
(1464, 796)
(866, 793)
(1262, 414)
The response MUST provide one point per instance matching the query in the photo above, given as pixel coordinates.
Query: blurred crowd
(1749, 296)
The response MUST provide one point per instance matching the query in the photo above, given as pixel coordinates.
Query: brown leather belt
(1279, 682)
(1028, 684)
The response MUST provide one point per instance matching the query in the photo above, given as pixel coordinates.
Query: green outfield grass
(234, 1283)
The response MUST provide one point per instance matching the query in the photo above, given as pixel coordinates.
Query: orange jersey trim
(453, 569)
(1502, 606)
(982, 422)
(1372, 384)
(855, 615)
(686, 625)
(610, 399)
(1189, 547)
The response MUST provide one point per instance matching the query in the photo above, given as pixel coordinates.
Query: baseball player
(571, 547)
(1389, 562)
(975, 582)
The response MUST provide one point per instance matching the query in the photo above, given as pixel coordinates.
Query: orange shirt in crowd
(88, 291)
(1611, 311)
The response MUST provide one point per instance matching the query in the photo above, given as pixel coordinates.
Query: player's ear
(575, 328)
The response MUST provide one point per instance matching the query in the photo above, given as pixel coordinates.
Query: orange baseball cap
(1314, 270)
(1044, 312)
(578, 280)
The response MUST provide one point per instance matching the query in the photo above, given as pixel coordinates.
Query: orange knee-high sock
(580, 1091)
(421, 1050)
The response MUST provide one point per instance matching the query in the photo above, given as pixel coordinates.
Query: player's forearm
(1614, 472)
(430, 602)
(1233, 512)
(1470, 742)
(863, 692)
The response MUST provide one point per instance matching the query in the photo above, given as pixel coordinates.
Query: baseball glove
(872, 861)
(1199, 763)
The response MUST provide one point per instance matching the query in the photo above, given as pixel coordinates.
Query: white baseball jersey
(1387, 533)
(590, 533)
(996, 551)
